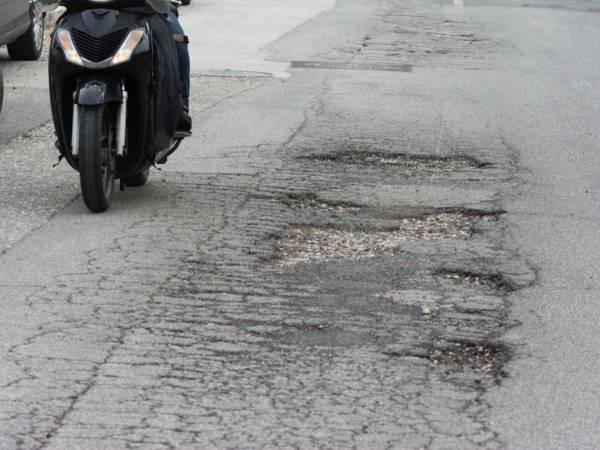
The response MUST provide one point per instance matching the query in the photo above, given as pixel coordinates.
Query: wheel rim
(108, 175)
(38, 30)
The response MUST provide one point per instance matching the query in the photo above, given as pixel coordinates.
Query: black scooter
(115, 93)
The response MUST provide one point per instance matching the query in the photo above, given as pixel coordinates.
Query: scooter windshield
(161, 6)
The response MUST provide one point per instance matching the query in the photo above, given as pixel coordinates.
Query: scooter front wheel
(96, 157)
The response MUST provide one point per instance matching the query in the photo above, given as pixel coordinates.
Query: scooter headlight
(131, 42)
(66, 43)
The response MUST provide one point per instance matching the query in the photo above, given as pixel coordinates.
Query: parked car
(22, 29)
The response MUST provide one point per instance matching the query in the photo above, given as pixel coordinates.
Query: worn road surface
(382, 235)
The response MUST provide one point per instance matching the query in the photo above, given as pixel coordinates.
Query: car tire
(29, 46)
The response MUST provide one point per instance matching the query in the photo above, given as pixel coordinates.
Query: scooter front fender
(98, 90)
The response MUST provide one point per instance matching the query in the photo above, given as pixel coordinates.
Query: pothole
(484, 358)
(311, 201)
(491, 281)
(404, 160)
(304, 244)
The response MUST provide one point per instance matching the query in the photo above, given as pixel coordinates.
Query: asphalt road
(381, 235)
(26, 103)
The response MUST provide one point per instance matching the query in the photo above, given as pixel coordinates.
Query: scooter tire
(96, 158)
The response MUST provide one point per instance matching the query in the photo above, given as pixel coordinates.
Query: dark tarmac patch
(330, 337)
(403, 160)
(493, 281)
(341, 65)
(480, 214)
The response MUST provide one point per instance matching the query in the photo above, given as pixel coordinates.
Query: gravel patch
(312, 202)
(304, 244)
(484, 358)
(404, 160)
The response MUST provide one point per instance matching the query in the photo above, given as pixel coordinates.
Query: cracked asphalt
(336, 259)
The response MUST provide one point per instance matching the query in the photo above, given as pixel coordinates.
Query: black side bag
(167, 86)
